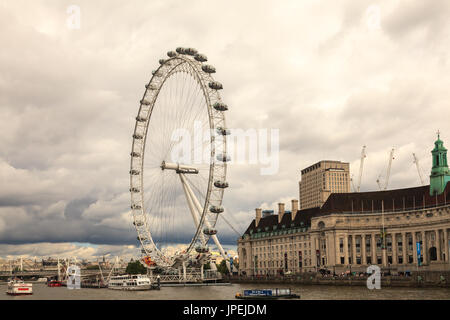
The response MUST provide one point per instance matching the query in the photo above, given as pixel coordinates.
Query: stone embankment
(415, 279)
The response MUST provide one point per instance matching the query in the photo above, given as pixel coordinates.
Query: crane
(419, 171)
(361, 165)
(353, 183)
(388, 172)
(378, 181)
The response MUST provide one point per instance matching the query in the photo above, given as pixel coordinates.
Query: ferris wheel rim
(144, 234)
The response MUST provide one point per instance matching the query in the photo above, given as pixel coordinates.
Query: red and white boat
(17, 287)
(54, 283)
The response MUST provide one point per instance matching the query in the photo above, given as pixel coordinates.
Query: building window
(367, 244)
(342, 260)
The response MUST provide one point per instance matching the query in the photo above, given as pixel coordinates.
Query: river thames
(307, 292)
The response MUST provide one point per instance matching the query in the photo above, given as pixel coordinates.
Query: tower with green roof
(440, 174)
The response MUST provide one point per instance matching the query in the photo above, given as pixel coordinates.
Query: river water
(307, 292)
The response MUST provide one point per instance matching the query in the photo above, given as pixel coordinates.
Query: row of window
(283, 263)
(282, 247)
(270, 256)
(379, 260)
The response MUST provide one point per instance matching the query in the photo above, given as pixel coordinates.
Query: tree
(222, 267)
(92, 267)
(135, 267)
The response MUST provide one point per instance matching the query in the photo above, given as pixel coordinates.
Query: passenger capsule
(142, 238)
(135, 154)
(162, 61)
(135, 206)
(138, 223)
(215, 85)
(208, 68)
(200, 57)
(134, 190)
(216, 209)
(156, 73)
(145, 102)
(181, 50)
(201, 249)
(135, 172)
(221, 184)
(191, 51)
(171, 54)
(223, 131)
(141, 119)
(223, 157)
(220, 106)
(150, 87)
(137, 136)
(209, 231)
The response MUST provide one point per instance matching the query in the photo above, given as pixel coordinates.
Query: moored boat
(267, 294)
(54, 283)
(17, 287)
(133, 282)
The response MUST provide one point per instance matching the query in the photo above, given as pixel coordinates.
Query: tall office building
(322, 179)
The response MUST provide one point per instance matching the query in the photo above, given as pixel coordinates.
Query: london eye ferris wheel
(179, 159)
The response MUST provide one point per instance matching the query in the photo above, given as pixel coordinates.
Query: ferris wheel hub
(179, 168)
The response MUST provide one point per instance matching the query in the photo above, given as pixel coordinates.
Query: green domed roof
(439, 144)
(440, 174)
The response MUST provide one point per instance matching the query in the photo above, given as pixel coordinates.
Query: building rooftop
(357, 203)
(318, 165)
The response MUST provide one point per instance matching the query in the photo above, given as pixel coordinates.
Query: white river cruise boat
(130, 282)
(17, 287)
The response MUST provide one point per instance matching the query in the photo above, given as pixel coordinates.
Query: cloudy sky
(331, 76)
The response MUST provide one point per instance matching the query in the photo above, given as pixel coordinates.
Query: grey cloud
(411, 16)
(68, 99)
(75, 208)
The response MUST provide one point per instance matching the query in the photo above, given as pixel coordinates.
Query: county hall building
(401, 229)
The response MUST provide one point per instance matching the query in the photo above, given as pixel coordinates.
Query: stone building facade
(402, 230)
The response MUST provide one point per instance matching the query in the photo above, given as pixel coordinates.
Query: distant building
(322, 179)
(350, 231)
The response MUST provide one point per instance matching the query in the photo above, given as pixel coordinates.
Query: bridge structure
(190, 275)
(193, 275)
(54, 273)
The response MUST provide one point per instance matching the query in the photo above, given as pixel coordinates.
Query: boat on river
(54, 283)
(17, 287)
(267, 294)
(133, 282)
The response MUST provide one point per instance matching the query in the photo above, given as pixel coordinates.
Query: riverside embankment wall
(416, 279)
